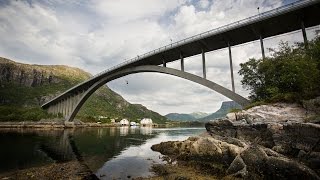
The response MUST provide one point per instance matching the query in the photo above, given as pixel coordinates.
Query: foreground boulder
(227, 160)
(295, 140)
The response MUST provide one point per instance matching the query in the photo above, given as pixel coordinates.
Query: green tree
(291, 73)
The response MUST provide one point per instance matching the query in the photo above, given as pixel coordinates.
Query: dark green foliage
(291, 74)
(16, 113)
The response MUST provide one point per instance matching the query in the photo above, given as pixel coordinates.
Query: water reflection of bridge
(91, 147)
(125, 130)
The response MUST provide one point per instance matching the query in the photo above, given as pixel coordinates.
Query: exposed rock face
(279, 112)
(35, 75)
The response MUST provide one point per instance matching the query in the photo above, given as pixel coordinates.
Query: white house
(124, 122)
(146, 121)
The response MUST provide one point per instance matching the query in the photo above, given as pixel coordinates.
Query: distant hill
(223, 111)
(200, 116)
(186, 117)
(24, 87)
(180, 117)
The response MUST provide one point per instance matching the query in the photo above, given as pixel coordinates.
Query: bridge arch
(152, 68)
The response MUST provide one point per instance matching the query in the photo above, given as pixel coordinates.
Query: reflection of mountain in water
(110, 142)
(27, 148)
(23, 148)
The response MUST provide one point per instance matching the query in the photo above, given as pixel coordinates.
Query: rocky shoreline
(265, 142)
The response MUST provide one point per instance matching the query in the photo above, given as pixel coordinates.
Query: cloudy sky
(96, 35)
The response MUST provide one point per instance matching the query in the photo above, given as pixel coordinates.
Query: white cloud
(126, 10)
(203, 3)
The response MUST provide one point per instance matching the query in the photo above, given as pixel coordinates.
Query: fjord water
(112, 153)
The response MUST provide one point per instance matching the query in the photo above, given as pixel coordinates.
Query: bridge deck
(271, 23)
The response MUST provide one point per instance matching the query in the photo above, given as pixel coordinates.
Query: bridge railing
(260, 16)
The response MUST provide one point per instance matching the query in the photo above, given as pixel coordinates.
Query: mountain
(186, 117)
(24, 87)
(180, 117)
(198, 115)
(223, 111)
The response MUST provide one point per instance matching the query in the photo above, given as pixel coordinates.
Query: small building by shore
(124, 122)
(146, 122)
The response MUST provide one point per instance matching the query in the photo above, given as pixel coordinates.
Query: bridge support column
(73, 102)
(59, 107)
(50, 110)
(164, 63)
(262, 47)
(182, 62)
(304, 34)
(204, 65)
(231, 67)
(63, 110)
(69, 106)
(78, 97)
(55, 109)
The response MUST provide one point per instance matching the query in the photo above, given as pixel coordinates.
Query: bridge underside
(69, 107)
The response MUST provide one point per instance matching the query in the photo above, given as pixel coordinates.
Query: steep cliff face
(24, 85)
(223, 111)
(38, 75)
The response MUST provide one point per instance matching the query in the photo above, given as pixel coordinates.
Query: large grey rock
(251, 162)
(203, 148)
(271, 165)
(287, 138)
(273, 113)
(237, 168)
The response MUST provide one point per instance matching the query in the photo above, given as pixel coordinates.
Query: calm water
(115, 152)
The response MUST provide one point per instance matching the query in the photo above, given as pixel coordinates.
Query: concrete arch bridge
(292, 17)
